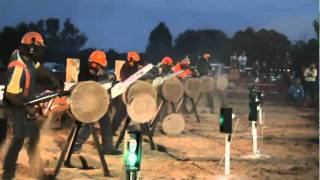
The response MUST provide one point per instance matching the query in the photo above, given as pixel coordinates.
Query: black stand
(194, 107)
(195, 110)
(72, 137)
(149, 128)
(209, 99)
(145, 127)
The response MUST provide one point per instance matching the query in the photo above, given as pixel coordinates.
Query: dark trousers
(106, 134)
(310, 88)
(3, 130)
(22, 128)
(297, 101)
(120, 115)
(209, 97)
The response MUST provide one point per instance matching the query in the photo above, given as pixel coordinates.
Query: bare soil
(289, 135)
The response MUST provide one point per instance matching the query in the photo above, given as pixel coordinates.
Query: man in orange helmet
(23, 69)
(97, 65)
(166, 65)
(203, 66)
(184, 64)
(131, 66)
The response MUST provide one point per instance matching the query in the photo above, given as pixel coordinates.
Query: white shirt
(233, 57)
(243, 59)
(310, 75)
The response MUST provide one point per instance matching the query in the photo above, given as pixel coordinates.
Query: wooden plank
(118, 66)
(72, 70)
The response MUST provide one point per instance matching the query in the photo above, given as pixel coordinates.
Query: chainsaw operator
(97, 72)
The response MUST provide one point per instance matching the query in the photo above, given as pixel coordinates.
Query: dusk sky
(125, 24)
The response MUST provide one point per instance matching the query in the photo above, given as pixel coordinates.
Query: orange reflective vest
(185, 73)
(27, 74)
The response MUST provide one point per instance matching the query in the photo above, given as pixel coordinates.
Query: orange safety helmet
(32, 37)
(167, 60)
(206, 56)
(185, 62)
(98, 57)
(133, 55)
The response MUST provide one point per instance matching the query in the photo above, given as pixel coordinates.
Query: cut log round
(173, 124)
(172, 90)
(139, 87)
(192, 87)
(89, 101)
(142, 108)
(207, 83)
(222, 82)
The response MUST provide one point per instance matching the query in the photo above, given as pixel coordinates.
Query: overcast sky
(125, 24)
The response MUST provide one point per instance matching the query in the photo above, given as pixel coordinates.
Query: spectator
(296, 93)
(310, 75)
(264, 71)
(234, 61)
(242, 61)
(256, 71)
(203, 65)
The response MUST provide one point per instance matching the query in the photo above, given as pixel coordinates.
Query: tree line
(262, 45)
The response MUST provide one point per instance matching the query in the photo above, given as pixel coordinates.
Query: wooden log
(142, 108)
(139, 87)
(141, 101)
(192, 87)
(222, 82)
(207, 83)
(89, 101)
(173, 124)
(234, 75)
(172, 90)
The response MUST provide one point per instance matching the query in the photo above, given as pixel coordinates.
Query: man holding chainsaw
(97, 65)
(166, 65)
(23, 69)
(184, 65)
(129, 68)
(203, 66)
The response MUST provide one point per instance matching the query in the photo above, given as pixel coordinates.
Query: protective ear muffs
(93, 65)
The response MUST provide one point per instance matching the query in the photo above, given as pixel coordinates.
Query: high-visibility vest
(185, 73)
(26, 72)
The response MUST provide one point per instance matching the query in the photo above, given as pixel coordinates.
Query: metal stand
(209, 99)
(227, 155)
(254, 138)
(195, 110)
(260, 119)
(155, 121)
(123, 131)
(72, 137)
(131, 175)
(146, 127)
(256, 154)
(194, 107)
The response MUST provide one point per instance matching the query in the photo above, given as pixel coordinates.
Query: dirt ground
(289, 136)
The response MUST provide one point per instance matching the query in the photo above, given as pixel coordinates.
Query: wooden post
(227, 155)
(254, 138)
